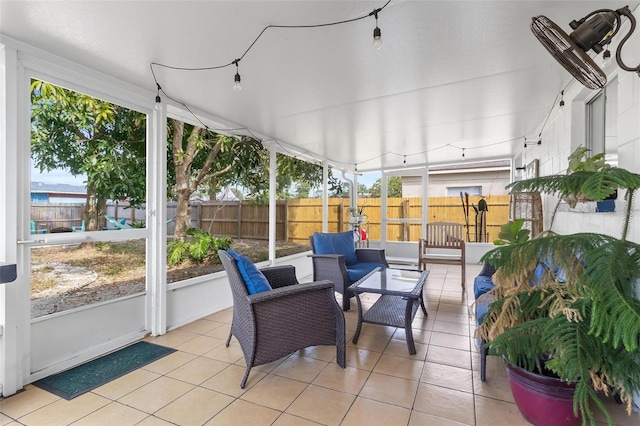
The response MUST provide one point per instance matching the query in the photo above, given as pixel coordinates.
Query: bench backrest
(447, 235)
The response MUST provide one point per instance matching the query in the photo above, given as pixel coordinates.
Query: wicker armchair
(333, 267)
(275, 323)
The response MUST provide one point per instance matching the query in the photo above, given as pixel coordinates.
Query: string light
(537, 143)
(606, 55)
(404, 162)
(462, 152)
(236, 79)
(158, 98)
(377, 41)
(561, 104)
(377, 34)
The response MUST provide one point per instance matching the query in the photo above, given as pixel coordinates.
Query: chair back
(447, 235)
(335, 243)
(238, 288)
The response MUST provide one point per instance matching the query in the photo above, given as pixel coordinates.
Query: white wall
(491, 182)
(566, 131)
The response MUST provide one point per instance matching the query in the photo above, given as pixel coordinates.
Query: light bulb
(158, 103)
(606, 55)
(236, 86)
(561, 104)
(377, 38)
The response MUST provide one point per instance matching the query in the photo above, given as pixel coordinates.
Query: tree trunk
(182, 163)
(186, 184)
(183, 215)
(95, 210)
(91, 210)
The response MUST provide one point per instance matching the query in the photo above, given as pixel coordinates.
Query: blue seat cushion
(359, 270)
(481, 285)
(255, 280)
(482, 307)
(336, 243)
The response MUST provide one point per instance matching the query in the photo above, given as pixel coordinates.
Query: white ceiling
(450, 75)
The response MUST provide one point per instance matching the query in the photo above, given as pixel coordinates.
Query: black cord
(235, 61)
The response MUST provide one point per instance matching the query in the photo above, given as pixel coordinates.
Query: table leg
(359, 327)
(407, 325)
(422, 305)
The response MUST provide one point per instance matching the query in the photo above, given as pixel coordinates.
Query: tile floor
(382, 384)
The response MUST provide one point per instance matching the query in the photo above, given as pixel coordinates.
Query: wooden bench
(448, 239)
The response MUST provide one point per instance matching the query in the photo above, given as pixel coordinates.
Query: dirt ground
(66, 277)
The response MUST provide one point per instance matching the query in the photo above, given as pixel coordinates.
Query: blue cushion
(255, 280)
(481, 285)
(359, 270)
(482, 307)
(336, 243)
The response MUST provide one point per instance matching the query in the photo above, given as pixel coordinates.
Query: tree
(200, 156)
(394, 187)
(80, 134)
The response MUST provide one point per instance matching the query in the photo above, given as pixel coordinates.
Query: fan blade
(567, 53)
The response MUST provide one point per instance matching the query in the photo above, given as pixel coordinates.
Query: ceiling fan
(593, 32)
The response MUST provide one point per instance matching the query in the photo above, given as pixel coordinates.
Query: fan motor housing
(588, 34)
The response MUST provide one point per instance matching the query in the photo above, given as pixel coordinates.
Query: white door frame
(423, 172)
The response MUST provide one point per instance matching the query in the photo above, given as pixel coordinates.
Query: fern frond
(613, 270)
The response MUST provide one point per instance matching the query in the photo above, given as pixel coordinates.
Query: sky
(56, 177)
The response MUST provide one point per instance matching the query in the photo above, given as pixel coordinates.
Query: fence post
(199, 215)
(286, 221)
(405, 215)
(340, 217)
(239, 225)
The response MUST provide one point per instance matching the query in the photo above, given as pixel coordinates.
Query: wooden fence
(296, 219)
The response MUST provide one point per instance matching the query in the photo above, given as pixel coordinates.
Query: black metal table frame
(390, 307)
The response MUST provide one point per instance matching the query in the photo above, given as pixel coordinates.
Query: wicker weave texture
(332, 267)
(292, 316)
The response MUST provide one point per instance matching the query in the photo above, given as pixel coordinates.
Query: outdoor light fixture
(593, 32)
(377, 34)
(606, 55)
(158, 98)
(236, 85)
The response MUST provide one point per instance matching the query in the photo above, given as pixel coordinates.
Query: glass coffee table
(401, 294)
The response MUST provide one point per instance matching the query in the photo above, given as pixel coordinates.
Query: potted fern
(567, 306)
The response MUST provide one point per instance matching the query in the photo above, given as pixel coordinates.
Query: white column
(325, 196)
(157, 220)
(272, 204)
(15, 301)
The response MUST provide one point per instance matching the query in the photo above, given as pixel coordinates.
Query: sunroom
(393, 88)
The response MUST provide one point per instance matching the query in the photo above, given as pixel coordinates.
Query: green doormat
(93, 374)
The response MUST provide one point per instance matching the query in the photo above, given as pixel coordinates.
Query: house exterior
(57, 193)
(30, 350)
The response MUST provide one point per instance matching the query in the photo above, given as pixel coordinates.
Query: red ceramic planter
(542, 400)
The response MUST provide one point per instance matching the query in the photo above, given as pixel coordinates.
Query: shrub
(199, 246)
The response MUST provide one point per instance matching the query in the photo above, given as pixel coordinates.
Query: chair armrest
(280, 276)
(326, 256)
(280, 292)
(368, 255)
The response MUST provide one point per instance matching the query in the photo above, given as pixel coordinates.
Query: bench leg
(484, 351)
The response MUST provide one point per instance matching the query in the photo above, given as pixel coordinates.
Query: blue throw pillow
(255, 280)
(336, 243)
